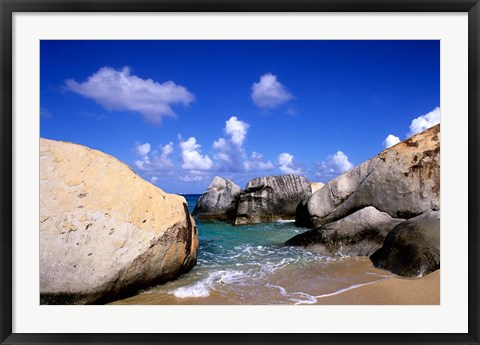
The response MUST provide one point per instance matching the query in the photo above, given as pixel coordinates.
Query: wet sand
(394, 290)
(348, 281)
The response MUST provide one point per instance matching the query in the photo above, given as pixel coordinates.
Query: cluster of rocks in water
(386, 208)
(264, 199)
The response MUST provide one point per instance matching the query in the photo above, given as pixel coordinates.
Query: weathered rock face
(104, 231)
(403, 181)
(219, 201)
(412, 248)
(271, 198)
(359, 234)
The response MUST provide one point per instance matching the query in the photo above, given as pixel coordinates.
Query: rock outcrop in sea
(386, 207)
(271, 198)
(403, 181)
(105, 232)
(220, 201)
(264, 199)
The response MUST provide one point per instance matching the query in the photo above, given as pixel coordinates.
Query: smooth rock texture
(219, 201)
(271, 198)
(359, 234)
(104, 231)
(403, 181)
(412, 248)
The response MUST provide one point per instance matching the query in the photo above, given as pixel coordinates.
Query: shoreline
(363, 284)
(393, 290)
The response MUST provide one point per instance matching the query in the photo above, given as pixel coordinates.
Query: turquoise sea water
(249, 265)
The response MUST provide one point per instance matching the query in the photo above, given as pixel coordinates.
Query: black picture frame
(8, 7)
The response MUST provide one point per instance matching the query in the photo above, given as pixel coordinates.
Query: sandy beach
(393, 290)
(347, 281)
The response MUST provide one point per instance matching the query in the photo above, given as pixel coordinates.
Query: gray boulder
(359, 234)
(271, 198)
(219, 201)
(412, 248)
(403, 181)
(105, 232)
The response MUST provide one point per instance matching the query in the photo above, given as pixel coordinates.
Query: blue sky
(181, 112)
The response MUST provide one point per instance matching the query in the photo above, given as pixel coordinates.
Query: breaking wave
(203, 287)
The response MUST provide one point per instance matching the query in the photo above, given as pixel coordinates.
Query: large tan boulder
(403, 181)
(104, 231)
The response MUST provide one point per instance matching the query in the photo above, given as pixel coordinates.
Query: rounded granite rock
(105, 232)
(271, 198)
(219, 201)
(358, 234)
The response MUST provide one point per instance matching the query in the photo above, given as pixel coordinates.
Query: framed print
(186, 172)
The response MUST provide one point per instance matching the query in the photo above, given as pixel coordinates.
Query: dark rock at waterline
(412, 248)
(219, 201)
(358, 234)
(105, 232)
(403, 180)
(271, 198)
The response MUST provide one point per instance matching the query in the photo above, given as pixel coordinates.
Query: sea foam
(203, 287)
(305, 298)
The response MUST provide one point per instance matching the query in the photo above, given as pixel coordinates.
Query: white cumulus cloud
(228, 156)
(286, 164)
(257, 163)
(156, 160)
(390, 140)
(269, 93)
(162, 160)
(120, 90)
(423, 122)
(333, 166)
(143, 149)
(230, 153)
(237, 130)
(192, 158)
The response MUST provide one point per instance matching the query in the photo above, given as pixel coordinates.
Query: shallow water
(249, 265)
